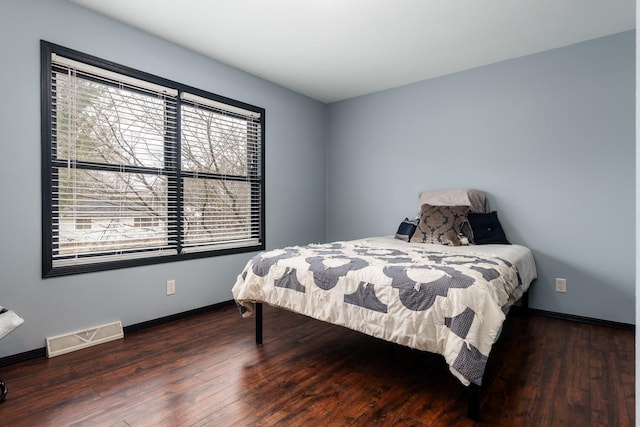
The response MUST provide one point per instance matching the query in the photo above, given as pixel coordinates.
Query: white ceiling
(331, 50)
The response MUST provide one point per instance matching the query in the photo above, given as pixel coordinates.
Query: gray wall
(295, 147)
(549, 137)
(637, 259)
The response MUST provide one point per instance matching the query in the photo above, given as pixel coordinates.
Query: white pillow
(475, 199)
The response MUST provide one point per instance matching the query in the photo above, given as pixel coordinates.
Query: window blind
(140, 169)
(221, 174)
(112, 141)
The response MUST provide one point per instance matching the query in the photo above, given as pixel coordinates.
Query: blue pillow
(406, 229)
(487, 229)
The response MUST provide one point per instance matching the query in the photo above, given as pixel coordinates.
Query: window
(145, 221)
(139, 170)
(83, 223)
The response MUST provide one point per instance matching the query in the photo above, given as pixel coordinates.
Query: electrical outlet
(561, 285)
(171, 287)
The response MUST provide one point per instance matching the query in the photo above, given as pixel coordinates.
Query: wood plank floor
(206, 370)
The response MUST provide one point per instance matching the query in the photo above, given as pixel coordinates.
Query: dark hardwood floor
(206, 370)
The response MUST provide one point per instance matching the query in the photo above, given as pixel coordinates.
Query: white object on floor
(9, 320)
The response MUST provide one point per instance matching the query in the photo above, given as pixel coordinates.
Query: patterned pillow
(440, 224)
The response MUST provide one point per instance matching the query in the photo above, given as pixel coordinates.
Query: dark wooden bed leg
(525, 301)
(258, 314)
(473, 403)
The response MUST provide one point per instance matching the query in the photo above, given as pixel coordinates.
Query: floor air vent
(73, 341)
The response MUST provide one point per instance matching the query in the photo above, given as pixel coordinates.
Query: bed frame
(473, 393)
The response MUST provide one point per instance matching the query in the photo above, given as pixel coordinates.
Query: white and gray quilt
(446, 300)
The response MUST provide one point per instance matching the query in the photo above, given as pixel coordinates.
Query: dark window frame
(49, 176)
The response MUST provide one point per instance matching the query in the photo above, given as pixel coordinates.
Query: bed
(445, 299)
